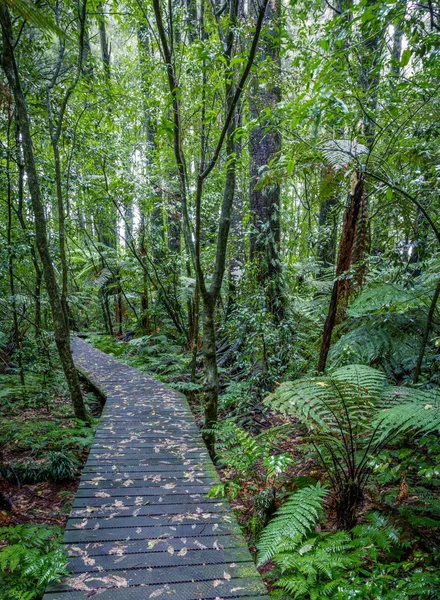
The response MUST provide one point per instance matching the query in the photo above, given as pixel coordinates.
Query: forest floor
(29, 439)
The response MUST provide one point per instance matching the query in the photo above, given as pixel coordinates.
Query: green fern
(350, 416)
(241, 451)
(391, 341)
(335, 565)
(32, 558)
(293, 520)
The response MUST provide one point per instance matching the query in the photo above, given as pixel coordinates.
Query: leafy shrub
(241, 451)
(350, 416)
(32, 558)
(252, 458)
(45, 435)
(153, 353)
(56, 466)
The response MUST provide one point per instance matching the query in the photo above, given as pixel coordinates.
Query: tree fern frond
(296, 517)
(402, 418)
(35, 15)
(342, 152)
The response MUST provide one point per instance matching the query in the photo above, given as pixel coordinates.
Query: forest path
(141, 525)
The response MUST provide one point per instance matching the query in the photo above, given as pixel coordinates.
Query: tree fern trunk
(341, 286)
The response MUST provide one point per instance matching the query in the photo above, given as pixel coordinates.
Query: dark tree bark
(426, 334)
(264, 146)
(396, 53)
(16, 333)
(61, 331)
(104, 43)
(191, 19)
(20, 190)
(345, 260)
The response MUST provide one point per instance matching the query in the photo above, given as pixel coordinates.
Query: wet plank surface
(141, 525)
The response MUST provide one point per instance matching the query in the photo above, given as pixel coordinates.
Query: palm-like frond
(342, 152)
(35, 15)
(351, 415)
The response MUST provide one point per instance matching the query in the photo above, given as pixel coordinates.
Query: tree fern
(391, 341)
(293, 520)
(350, 415)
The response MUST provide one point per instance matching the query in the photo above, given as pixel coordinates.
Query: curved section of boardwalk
(141, 525)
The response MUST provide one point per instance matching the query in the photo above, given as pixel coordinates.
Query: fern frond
(296, 517)
(342, 152)
(417, 417)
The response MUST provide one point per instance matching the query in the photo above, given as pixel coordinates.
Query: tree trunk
(264, 146)
(211, 370)
(104, 44)
(426, 334)
(61, 331)
(17, 340)
(345, 259)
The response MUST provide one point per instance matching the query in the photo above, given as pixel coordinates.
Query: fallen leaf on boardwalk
(118, 550)
(159, 592)
(77, 583)
(112, 580)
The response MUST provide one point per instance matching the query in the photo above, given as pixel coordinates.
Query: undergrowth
(32, 557)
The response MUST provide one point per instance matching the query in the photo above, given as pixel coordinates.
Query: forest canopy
(242, 199)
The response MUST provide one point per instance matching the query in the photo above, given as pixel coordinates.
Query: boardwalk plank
(141, 525)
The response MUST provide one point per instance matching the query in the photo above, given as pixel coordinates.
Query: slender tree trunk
(145, 317)
(195, 333)
(61, 230)
(34, 257)
(426, 334)
(61, 332)
(17, 340)
(104, 44)
(211, 369)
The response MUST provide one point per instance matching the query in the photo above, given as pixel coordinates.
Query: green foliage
(55, 466)
(241, 451)
(253, 460)
(32, 558)
(55, 449)
(361, 563)
(350, 415)
(157, 354)
(384, 326)
(298, 515)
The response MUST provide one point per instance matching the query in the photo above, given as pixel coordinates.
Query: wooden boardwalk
(141, 526)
